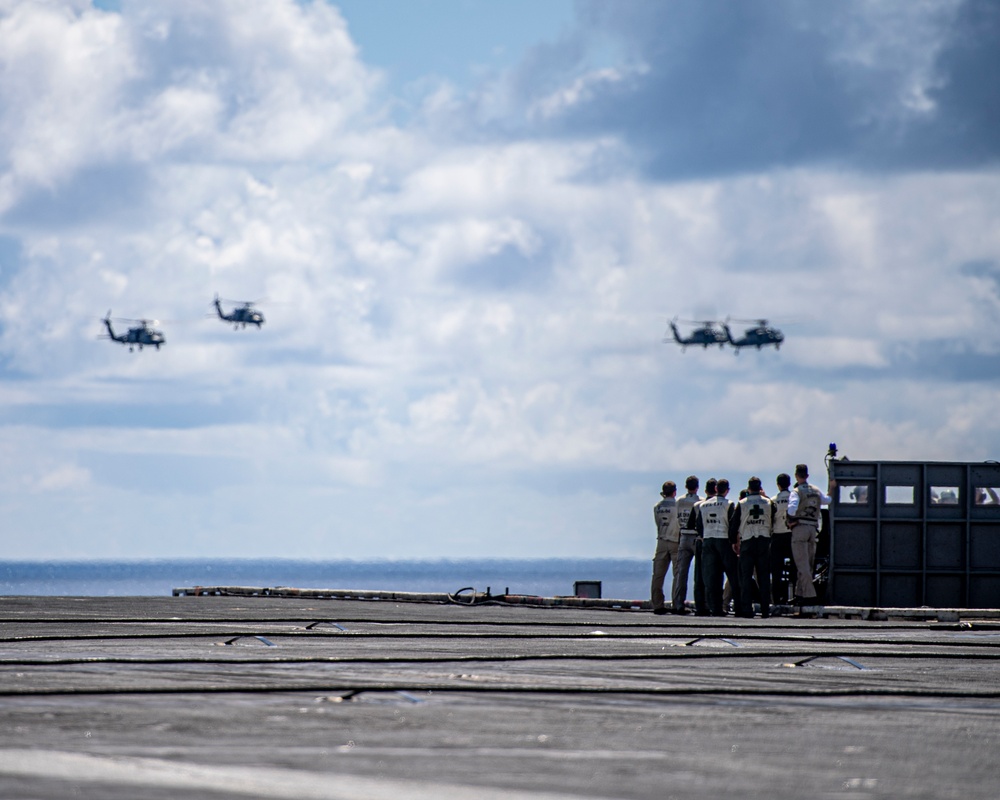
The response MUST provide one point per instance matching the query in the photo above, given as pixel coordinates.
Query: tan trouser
(804, 556)
(665, 554)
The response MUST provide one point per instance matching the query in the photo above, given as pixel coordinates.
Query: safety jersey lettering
(781, 512)
(715, 519)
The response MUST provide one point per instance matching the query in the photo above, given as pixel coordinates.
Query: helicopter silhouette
(244, 314)
(760, 335)
(140, 335)
(706, 335)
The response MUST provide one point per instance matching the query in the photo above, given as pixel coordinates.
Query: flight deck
(229, 696)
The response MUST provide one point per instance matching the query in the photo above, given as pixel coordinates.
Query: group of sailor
(737, 542)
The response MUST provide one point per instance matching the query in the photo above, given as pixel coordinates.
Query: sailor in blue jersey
(718, 555)
(803, 518)
(668, 534)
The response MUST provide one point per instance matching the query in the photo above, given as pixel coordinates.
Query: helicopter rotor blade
(769, 321)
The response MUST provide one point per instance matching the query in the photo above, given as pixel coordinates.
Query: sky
(468, 225)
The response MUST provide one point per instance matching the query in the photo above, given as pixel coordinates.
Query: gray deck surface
(143, 698)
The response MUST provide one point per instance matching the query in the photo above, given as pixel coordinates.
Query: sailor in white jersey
(718, 555)
(700, 598)
(781, 543)
(750, 530)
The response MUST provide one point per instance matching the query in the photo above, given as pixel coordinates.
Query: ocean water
(623, 579)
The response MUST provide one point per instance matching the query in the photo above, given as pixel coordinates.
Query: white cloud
(179, 80)
(450, 328)
(64, 477)
(62, 70)
(580, 91)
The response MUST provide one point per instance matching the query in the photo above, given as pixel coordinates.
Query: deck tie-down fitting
(712, 639)
(235, 639)
(356, 693)
(337, 625)
(804, 661)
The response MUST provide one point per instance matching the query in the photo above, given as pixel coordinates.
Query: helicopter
(140, 335)
(758, 336)
(705, 335)
(244, 314)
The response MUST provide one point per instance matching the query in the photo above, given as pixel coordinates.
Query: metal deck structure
(915, 534)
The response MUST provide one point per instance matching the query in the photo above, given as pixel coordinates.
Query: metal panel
(915, 533)
(943, 474)
(984, 591)
(847, 470)
(946, 491)
(984, 547)
(901, 590)
(901, 491)
(855, 545)
(855, 498)
(901, 546)
(986, 474)
(855, 589)
(945, 591)
(945, 545)
(985, 506)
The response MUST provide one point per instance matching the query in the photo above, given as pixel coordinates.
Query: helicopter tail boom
(111, 331)
(676, 333)
(729, 333)
(218, 309)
